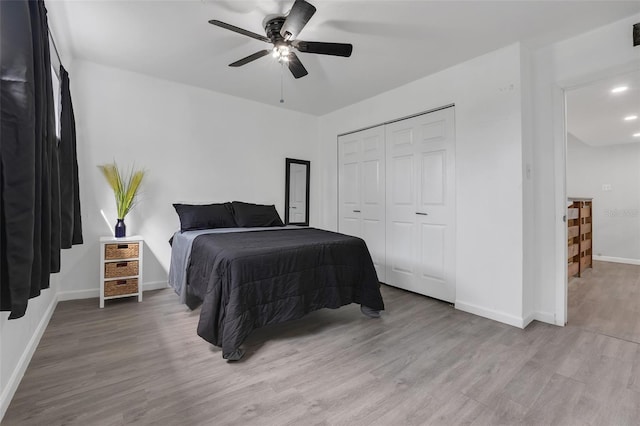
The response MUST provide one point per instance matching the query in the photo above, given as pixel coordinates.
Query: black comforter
(250, 279)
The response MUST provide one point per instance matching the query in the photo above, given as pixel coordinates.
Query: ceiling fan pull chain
(281, 82)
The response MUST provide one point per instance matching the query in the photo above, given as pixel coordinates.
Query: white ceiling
(395, 42)
(596, 116)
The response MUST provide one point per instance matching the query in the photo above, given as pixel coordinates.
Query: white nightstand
(120, 267)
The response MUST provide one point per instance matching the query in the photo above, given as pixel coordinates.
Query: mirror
(296, 199)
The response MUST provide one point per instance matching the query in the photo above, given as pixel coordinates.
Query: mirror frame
(287, 187)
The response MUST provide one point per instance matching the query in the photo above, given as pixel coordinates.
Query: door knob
(422, 214)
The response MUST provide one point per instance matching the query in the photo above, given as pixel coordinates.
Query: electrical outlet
(606, 187)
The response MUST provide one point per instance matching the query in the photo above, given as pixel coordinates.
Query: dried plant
(125, 188)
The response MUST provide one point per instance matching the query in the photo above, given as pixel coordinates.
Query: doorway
(603, 166)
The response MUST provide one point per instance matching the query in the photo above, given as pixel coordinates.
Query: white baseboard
(94, 293)
(155, 285)
(547, 317)
(78, 294)
(491, 314)
(18, 373)
(617, 260)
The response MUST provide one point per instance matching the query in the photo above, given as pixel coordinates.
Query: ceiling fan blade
(295, 66)
(238, 30)
(299, 15)
(250, 58)
(334, 49)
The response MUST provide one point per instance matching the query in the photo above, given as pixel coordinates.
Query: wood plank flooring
(606, 300)
(422, 363)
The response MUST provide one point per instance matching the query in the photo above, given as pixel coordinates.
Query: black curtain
(71, 222)
(30, 213)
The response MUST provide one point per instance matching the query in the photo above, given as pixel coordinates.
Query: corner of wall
(528, 220)
(493, 314)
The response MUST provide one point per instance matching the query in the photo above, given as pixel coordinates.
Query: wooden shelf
(579, 235)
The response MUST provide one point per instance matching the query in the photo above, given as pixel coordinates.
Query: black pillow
(251, 215)
(205, 216)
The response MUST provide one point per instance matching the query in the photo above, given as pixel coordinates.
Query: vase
(121, 229)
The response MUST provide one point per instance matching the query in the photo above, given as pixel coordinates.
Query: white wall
(197, 146)
(489, 198)
(604, 51)
(616, 213)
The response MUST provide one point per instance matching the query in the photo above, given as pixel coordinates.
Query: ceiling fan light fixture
(282, 32)
(281, 52)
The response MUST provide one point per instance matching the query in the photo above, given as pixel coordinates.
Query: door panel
(402, 191)
(350, 148)
(373, 190)
(402, 253)
(351, 184)
(432, 180)
(373, 144)
(373, 235)
(432, 249)
(435, 130)
(350, 226)
(421, 191)
(362, 191)
(401, 136)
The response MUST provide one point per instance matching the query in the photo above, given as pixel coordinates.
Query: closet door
(361, 194)
(421, 204)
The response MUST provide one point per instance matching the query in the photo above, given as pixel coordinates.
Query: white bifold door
(362, 191)
(420, 204)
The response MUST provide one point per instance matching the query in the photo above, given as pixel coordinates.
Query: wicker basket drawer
(121, 269)
(120, 287)
(121, 251)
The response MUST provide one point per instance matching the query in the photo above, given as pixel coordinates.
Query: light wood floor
(422, 363)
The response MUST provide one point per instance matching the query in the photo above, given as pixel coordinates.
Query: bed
(248, 277)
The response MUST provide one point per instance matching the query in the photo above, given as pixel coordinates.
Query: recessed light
(619, 89)
(636, 135)
(630, 117)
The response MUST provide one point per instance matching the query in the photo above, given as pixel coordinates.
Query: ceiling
(596, 116)
(394, 41)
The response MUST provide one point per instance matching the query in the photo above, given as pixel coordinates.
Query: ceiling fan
(282, 32)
